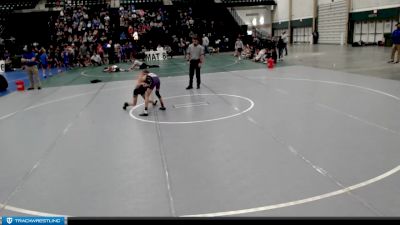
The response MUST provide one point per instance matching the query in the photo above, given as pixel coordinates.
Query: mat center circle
(196, 108)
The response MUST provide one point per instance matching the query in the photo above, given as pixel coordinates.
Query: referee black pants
(194, 65)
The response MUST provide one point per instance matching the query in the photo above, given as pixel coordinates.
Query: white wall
(281, 12)
(321, 2)
(332, 22)
(245, 14)
(302, 9)
(365, 5)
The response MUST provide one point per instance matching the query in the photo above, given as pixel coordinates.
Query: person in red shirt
(100, 50)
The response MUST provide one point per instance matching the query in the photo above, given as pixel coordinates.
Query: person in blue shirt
(66, 57)
(28, 60)
(123, 53)
(396, 44)
(43, 61)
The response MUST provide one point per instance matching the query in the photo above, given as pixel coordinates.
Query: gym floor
(316, 136)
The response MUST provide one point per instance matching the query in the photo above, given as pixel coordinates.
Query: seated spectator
(261, 55)
(7, 60)
(182, 46)
(160, 48)
(96, 59)
(217, 46)
(169, 51)
(84, 60)
(246, 54)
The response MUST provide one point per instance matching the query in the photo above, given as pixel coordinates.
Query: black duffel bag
(3, 83)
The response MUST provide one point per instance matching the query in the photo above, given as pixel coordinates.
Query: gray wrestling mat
(294, 141)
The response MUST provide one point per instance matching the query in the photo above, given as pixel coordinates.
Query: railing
(167, 2)
(236, 16)
(262, 33)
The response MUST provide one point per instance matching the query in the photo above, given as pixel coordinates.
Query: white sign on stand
(2, 66)
(156, 55)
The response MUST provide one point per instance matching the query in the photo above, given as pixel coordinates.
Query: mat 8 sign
(156, 55)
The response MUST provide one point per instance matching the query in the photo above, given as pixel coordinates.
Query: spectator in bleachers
(83, 51)
(96, 59)
(182, 46)
(79, 31)
(169, 51)
(111, 52)
(225, 43)
(206, 43)
(66, 57)
(160, 48)
(100, 51)
(59, 57)
(7, 60)
(218, 45)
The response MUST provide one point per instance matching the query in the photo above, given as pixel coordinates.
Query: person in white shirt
(160, 48)
(239, 48)
(285, 38)
(96, 59)
(206, 43)
(260, 56)
(196, 59)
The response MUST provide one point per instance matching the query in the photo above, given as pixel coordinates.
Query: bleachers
(62, 3)
(8, 6)
(11, 5)
(136, 2)
(85, 2)
(4, 18)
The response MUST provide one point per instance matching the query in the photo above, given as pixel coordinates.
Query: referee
(196, 58)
